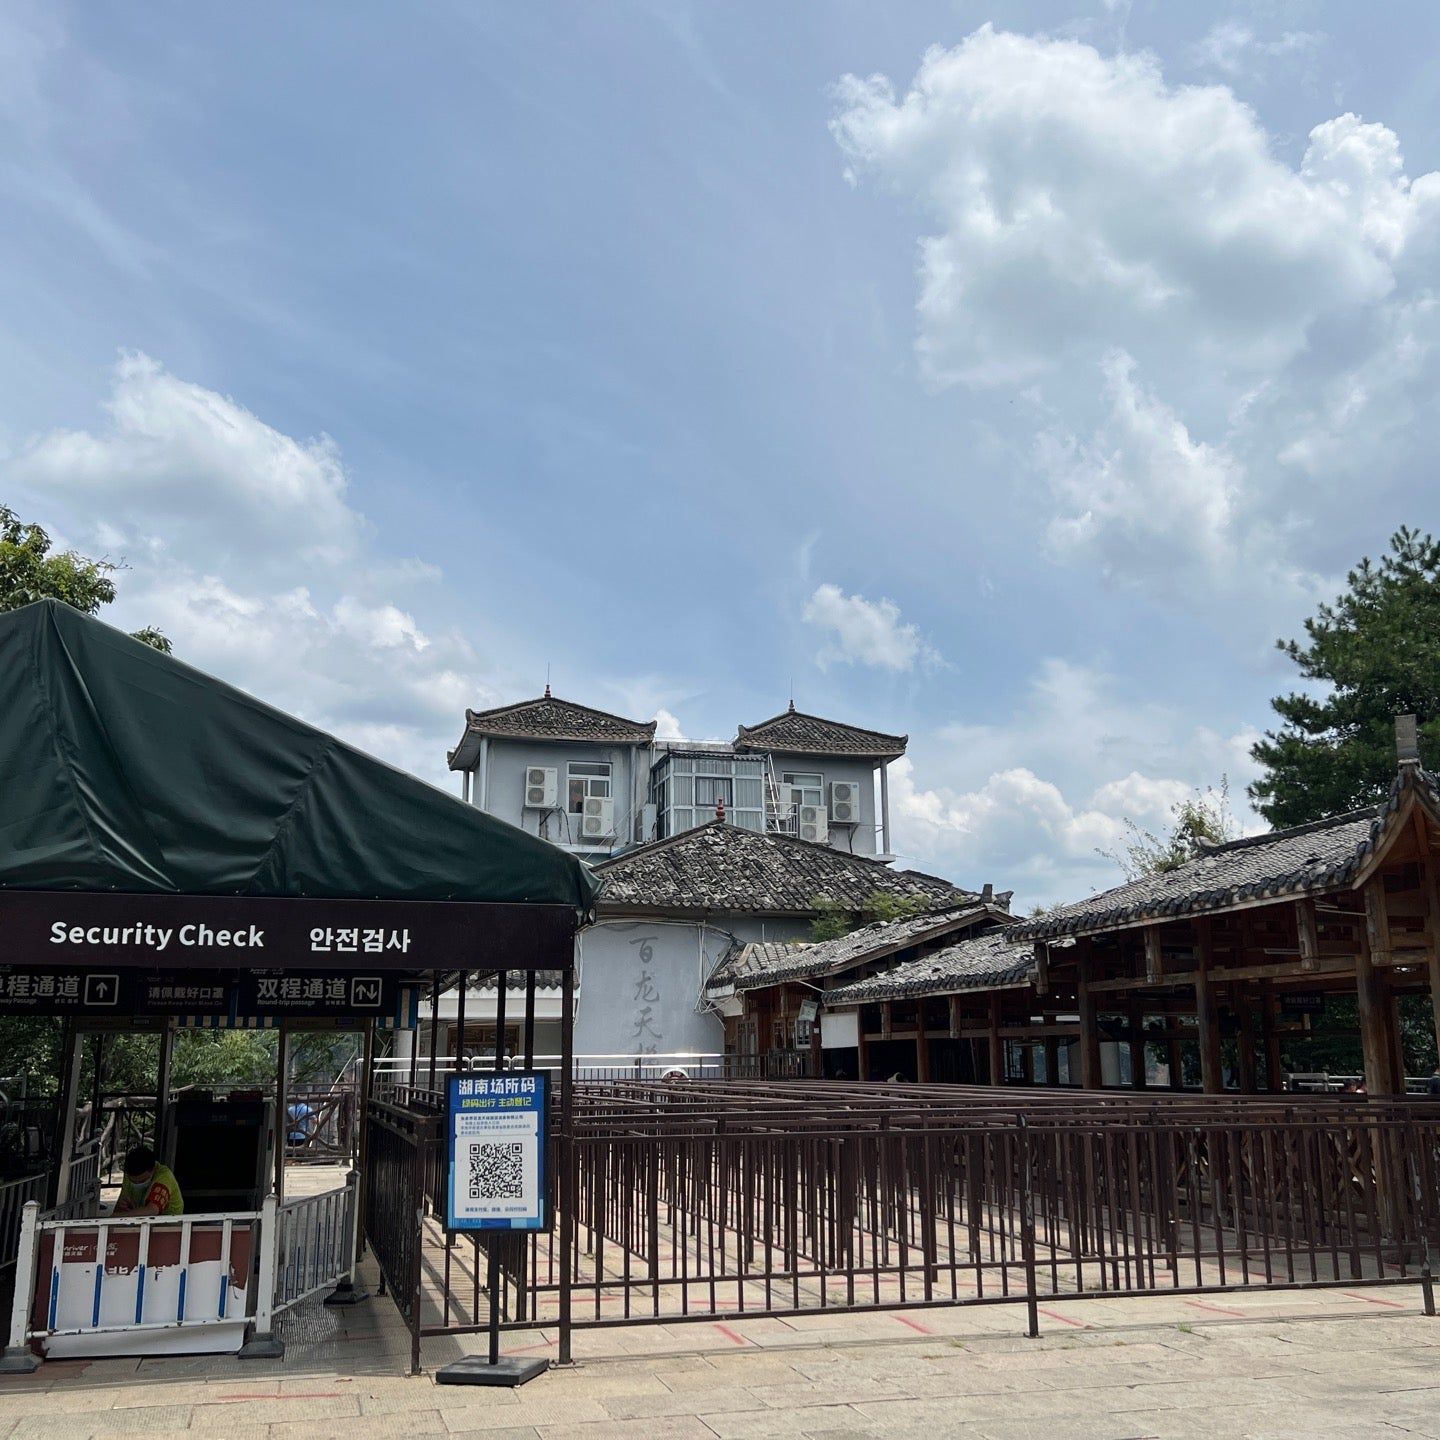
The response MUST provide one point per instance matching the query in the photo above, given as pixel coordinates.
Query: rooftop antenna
(547, 679)
(792, 694)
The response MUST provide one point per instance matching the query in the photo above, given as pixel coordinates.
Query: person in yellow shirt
(149, 1188)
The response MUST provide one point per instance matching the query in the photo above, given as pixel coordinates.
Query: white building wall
(862, 839)
(641, 980)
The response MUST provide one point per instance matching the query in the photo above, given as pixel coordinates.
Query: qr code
(497, 1171)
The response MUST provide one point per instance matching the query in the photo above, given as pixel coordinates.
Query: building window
(710, 790)
(809, 787)
(587, 780)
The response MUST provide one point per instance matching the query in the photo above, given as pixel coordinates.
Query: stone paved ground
(1361, 1363)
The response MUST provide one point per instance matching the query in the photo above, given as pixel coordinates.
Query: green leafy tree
(1197, 822)
(833, 920)
(30, 570)
(1372, 655)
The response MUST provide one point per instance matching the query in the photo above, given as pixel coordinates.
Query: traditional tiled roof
(986, 962)
(795, 732)
(549, 718)
(722, 867)
(1325, 855)
(515, 980)
(755, 966)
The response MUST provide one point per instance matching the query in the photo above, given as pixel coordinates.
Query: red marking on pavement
(271, 1395)
(905, 1320)
(729, 1334)
(525, 1349)
(1215, 1309)
(1056, 1315)
(1371, 1300)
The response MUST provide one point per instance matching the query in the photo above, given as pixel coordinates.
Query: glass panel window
(710, 790)
(586, 780)
(809, 786)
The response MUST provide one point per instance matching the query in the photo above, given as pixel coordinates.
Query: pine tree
(1376, 652)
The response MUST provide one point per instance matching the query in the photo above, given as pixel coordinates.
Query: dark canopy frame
(155, 820)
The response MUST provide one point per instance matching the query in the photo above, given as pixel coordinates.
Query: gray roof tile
(550, 718)
(721, 867)
(1324, 855)
(985, 962)
(795, 732)
(755, 966)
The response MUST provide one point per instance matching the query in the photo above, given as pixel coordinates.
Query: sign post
(495, 1130)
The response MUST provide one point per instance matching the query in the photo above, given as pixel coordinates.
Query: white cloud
(1233, 48)
(667, 727)
(1214, 343)
(865, 632)
(1081, 201)
(1029, 802)
(242, 545)
(184, 467)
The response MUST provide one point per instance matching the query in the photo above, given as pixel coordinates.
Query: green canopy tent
(157, 823)
(124, 769)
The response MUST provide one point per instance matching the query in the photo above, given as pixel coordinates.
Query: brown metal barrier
(724, 1200)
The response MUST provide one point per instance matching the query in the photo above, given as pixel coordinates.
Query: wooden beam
(1230, 974)
(997, 1045)
(1207, 1018)
(1270, 1013)
(1154, 956)
(1309, 933)
(1370, 997)
(1428, 878)
(1090, 1076)
(1246, 1044)
(1137, 1043)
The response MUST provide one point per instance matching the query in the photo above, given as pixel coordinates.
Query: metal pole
(65, 1120)
(282, 1106)
(163, 1080)
(529, 1019)
(565, 1153)
(434, 1028)
(501, 1047)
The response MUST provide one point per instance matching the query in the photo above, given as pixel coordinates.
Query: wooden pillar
(1052, 1060)
(1432, 918)
(1372, 1001)
(1246, 1042)
(996, 1044)
(1207, 1017)
(1137, 1048)
(922, 1046)
(1089, 1019)
(1027, 1062)
(862, 1050)
(1274, 1067)
(1175, 1058)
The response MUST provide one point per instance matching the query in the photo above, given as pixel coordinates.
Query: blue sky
(1011, 376)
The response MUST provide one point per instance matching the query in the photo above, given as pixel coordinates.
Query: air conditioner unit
(844, 802)
(812, 823)
(597, 819)
(542, 787)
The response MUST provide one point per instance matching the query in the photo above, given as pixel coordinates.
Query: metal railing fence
(733, 1199)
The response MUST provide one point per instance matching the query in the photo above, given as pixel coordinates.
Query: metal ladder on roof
(779, 815)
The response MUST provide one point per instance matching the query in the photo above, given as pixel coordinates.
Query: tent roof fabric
(123, 769)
